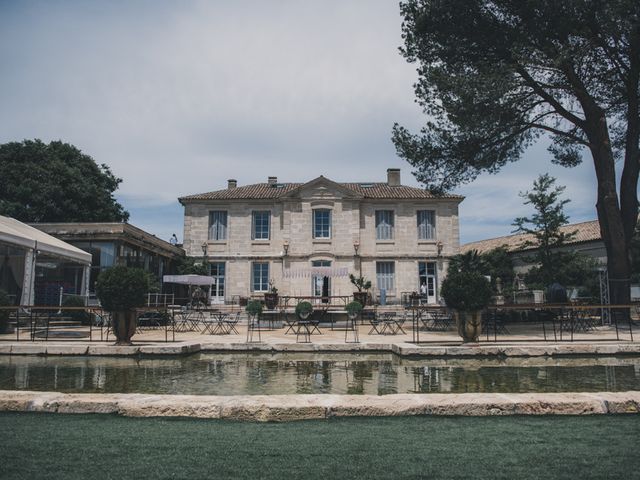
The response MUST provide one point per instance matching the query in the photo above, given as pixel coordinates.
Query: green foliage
(303, 309)
(188, 266)
(353, 308)
(470, 261)
(361, 283)
(122, 288)
(254, 307)
(635, 255)
(56, 182)
(573, 269)
(494, 76)
(466, 291)
(78, 315)
(544, 226)
(496, 263)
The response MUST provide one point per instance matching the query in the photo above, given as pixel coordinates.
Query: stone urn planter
(468, 294)
(271, 300)
(124, 326)
(121, 290)
(469, 325)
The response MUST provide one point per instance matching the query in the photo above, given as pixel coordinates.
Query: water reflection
(377, 374)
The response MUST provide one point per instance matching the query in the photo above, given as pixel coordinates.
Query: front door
(217, 287)
(320, 284)
(427, 282)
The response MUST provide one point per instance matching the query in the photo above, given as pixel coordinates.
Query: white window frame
(217, 230)
(328, 233)
(263, 281)
(254, 214)
(426, 224)
(385, 222)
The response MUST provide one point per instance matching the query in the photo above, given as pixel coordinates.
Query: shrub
(354, 308)
(466, 291)
(304, 309)
(254, 307)
(122, 288)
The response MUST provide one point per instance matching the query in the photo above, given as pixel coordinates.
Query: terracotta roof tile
(584, 232)
(266, 191)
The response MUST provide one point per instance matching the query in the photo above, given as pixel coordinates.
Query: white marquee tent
(35, 242)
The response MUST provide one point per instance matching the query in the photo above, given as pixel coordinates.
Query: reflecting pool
(298, 373)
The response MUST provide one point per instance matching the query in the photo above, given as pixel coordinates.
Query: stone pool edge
(402, 349)
(283, 408)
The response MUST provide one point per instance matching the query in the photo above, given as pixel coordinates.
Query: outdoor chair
(232, 323)
(374, 320)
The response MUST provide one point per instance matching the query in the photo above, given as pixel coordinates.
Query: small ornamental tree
(120, 288)
(254, 307)
(544, 226)
(466, 291)
(304, 309)
(361, 283)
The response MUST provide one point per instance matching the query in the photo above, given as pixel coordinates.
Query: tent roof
(188, 279)
(20, 234)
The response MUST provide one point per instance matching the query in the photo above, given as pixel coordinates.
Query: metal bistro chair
(374, 320)
(233, 323)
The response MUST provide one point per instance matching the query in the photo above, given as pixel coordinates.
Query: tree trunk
(612, 228)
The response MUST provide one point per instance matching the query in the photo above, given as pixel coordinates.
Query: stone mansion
(306, 238)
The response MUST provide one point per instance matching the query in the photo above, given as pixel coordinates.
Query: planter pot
(469, 325)
(361, 298)
(271, 300)
(124, 326)
(304, 315)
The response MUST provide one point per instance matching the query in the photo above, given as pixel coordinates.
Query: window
(260, 225)
(384, 224)
(385, 275)
(322, 223)
(217, 272)
(218, 225)
(426, 224)
(260, 277)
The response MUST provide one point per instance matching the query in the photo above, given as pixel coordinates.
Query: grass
(35, 446)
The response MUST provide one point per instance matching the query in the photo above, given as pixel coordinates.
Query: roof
(20, 234)
(584, 232)
(260, 191)
(79, 231)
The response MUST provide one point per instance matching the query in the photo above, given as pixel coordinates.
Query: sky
(178, 97)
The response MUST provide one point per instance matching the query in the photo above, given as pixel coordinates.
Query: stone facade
(352, 246)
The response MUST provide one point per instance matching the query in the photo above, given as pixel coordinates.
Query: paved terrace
(523, 339)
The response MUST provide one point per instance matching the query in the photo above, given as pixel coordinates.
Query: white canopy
(188, 279)
(22, 235)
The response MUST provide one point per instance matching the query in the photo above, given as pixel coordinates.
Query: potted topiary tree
(304, 310)
(254, 308)
(4, 314)
(468, 294)
(121, 290)
(353, 309)
(271, 297)
(363, 285)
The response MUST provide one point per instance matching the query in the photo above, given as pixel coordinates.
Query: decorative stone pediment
(322, 188)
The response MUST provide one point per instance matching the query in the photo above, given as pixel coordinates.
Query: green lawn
(103, 446)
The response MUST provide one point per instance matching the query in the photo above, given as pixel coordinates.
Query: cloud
(179, 97)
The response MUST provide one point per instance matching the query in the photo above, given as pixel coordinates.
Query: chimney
(273, 180)
(393, 177)
(232, 183)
